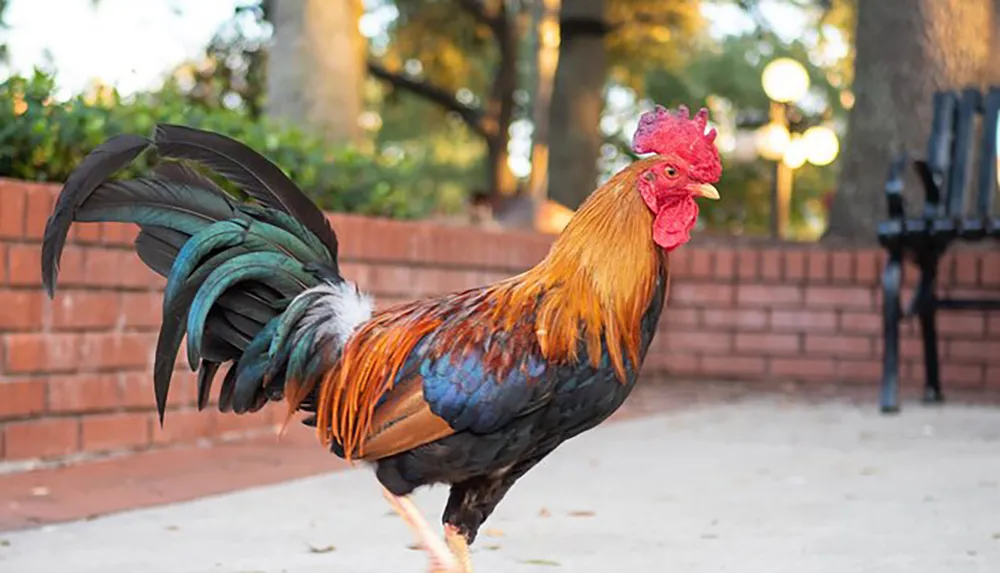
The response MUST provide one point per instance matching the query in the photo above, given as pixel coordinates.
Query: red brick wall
(75, 372)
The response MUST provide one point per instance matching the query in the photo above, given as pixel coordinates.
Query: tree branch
(473, 117)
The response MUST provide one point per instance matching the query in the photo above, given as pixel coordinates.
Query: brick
(701, 263)
(71, 266)
(184, 426)
(13, 200)
(748, 264)
(674, 317)
(233, 424)
(961, 324)
(795, 265)
(79, 310)
(993, 376)
(842, 266)
(978, 350)
(3, 263)
(767, 343)
(40, 201)
(768, 295)
(678, 363)
(104, 267)
(36, 352)
(712, 294)
(770, 264)
(115, 350)
(803, 320)
(962, 375)
(391, 279)
(967, 269)
(857, 346)
(358, 273)
(141, 309)
(135, 274)
(818, 266)
(725, 263)
(861, 322)
(869, 265)
(740, 318)
(84, 393)
(744, 367)
(21, 310)
(137, 388)
(990, 273)
(994, 323)
(21, 397)
(85, 233)
(24, 265)
(718, 342)
(41, 438)
(680, 262)
(118, 234)
(103, 432)
(804, 368)
(844, 297)
(859, 371)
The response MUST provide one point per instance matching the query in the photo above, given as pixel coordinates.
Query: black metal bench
(946, 218)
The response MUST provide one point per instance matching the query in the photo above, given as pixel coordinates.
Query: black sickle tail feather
(232, 269)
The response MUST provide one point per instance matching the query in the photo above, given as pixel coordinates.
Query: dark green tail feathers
(252, 283)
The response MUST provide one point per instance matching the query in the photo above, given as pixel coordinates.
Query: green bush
(44, 140)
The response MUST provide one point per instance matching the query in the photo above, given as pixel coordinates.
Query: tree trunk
(500, 109)
(316, 67)
(577, 102)
(546, 20)
(906, 49)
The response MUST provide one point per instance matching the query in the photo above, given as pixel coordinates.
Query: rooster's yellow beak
(707, 191)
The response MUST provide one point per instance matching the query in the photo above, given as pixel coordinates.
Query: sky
(127, 43)
(131, 43)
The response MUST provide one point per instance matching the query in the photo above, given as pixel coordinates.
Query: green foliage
(649, 35)
(43, 140)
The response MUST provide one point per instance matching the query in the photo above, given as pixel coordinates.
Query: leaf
(323, 549)
(493, 533)
(582, 513)
(545, 562)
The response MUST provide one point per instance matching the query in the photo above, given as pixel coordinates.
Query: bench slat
(939, 147)
(962, 151)
(988, 158)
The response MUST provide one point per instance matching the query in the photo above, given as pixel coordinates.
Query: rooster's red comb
(678, 134)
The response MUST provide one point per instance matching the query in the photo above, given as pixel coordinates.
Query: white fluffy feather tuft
(339, 312)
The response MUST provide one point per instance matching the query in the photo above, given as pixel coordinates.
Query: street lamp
(786, 81)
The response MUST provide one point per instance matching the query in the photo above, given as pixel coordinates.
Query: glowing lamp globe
(795, 153)
(822, 145)
(785, 80)
(772, 140)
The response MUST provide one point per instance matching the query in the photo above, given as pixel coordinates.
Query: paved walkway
(761, 485)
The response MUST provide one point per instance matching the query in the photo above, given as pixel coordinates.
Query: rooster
(470, 389)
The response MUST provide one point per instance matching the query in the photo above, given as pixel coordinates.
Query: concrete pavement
(764, 485)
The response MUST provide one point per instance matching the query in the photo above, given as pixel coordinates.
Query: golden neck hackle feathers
(598, 279)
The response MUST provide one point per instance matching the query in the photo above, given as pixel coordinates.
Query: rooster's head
(685, 165)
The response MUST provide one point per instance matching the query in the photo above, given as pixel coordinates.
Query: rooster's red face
(690, 165)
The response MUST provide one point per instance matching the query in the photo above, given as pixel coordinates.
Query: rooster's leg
(442, 559)
(459, 547)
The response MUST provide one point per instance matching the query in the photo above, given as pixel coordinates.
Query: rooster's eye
(671, 171)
